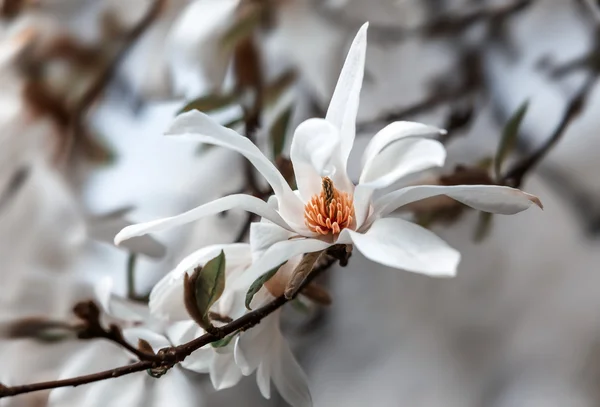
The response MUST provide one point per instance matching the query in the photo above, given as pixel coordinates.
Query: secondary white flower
(262, 348)
(131, 390)
(328, 208)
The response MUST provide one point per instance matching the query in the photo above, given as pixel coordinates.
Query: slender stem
(514, 177)
(75, 381)
(131, 261)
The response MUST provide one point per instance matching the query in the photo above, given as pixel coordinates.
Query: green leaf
(232, 124)
(279, 131)
(485, 163)
(300, 306)
(221, 343)
(274, 90)
(209, 103)
(509, 137)
(484, 226)
(209, 284)
(258, 283)
(242, 29)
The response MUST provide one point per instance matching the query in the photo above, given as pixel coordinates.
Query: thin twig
(92, 328)
(16, 182)
(471, 81)
(169, 357)
(514, 176)
(442, 25)
(131, 262)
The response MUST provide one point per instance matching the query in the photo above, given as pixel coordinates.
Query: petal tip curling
(121, 236)
(534, 199)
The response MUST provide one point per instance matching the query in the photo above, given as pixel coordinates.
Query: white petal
(176, 383)
(200, 127)
(487, 198)
(362, 204)
(240, 201)
(344, 102)
(314, 143)
(276, 255)
(127, 389)
(224, 373)
(288, 376)
(263, 379)
(103, 292)
(396, 131)
(264, 235)
(183, 331)
(398, 160)
(116, 307)
(401, 159)
(104, 228)
(201, 360)
(166, 298)
(404, 245)
(253, 346)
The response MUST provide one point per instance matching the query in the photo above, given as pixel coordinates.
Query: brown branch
(250, 85)
(6, 391)
(92, 328)
(169, 357)
(515, 175)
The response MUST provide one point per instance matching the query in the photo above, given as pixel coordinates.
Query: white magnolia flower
(129, 390)
(262, 348)
(328, 208)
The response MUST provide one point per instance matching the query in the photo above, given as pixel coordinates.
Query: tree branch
(92, 328)
(445, 91)
(514, 176)
(169, 357)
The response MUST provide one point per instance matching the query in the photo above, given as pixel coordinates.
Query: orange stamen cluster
(329, 211)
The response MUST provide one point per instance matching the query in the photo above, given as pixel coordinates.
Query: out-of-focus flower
(195, 45)
(135, 389)
(328, 208)
(262, 348)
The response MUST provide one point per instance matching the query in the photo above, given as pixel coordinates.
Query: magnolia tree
(217, 309)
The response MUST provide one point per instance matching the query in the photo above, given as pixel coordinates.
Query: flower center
(329, 211)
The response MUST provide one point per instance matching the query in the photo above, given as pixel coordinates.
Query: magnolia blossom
(327, 208)
(262, 348)
(134, 389)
